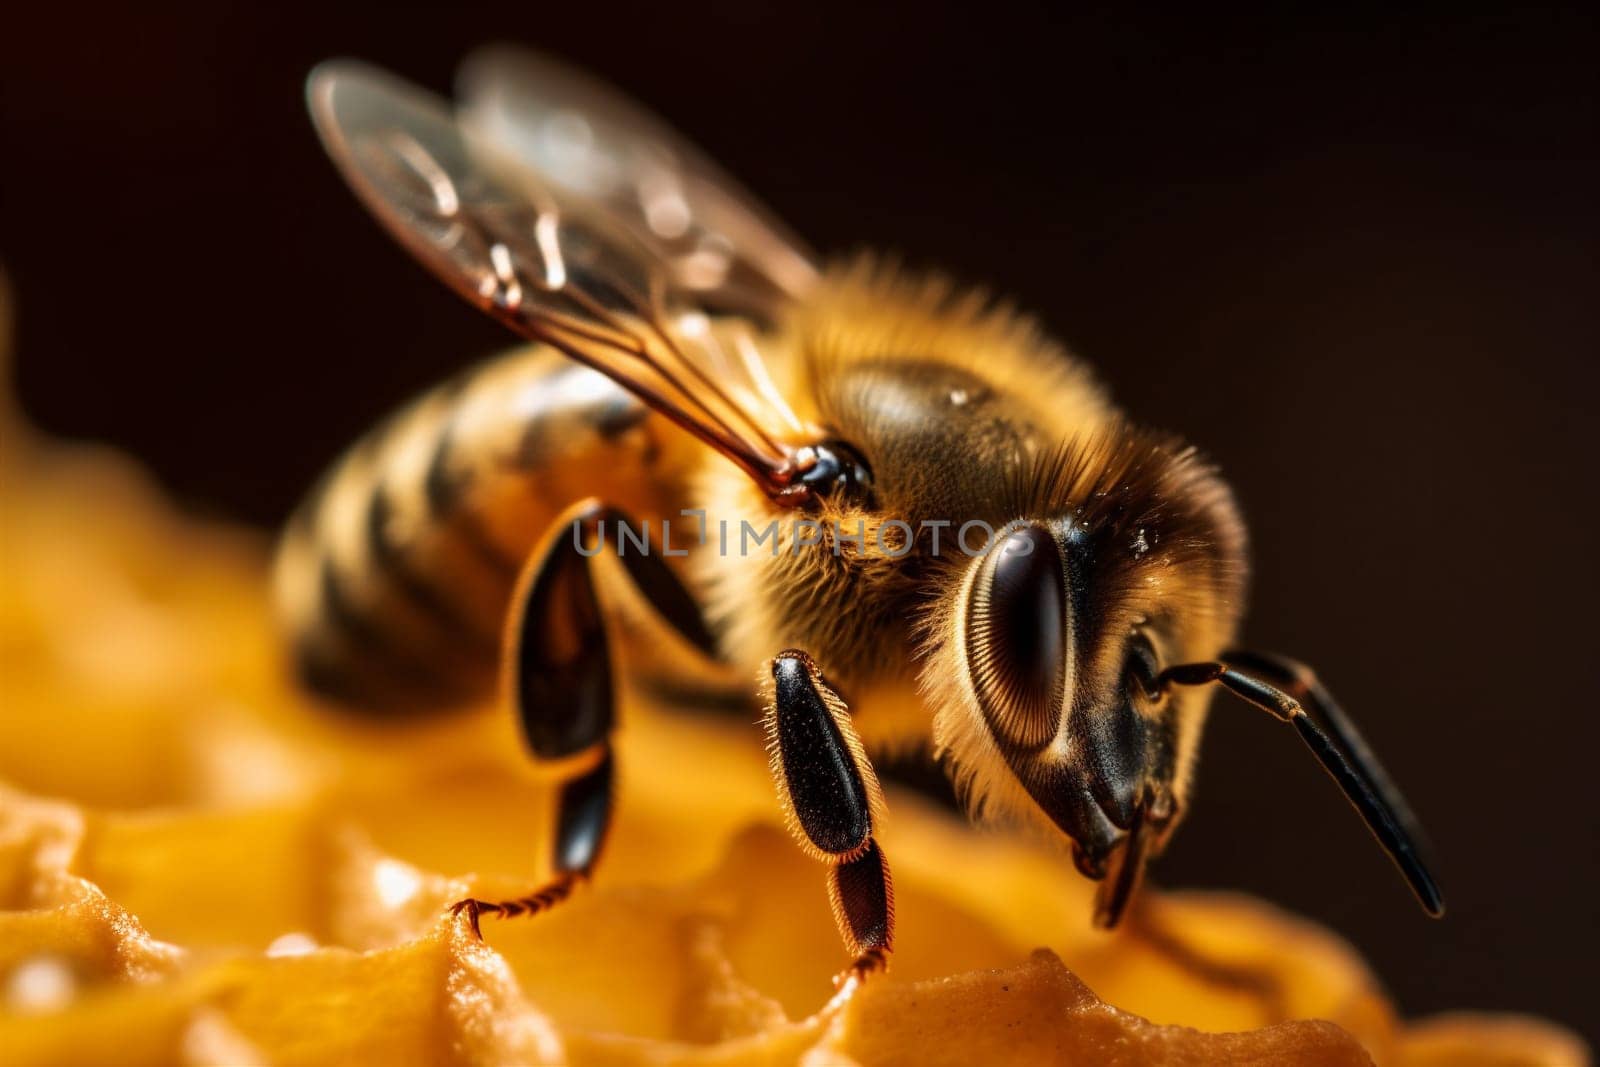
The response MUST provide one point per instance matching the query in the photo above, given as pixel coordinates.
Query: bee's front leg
(833, 802)
(558, 675)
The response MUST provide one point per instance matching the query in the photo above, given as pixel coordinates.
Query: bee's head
(1050, 643)
(1099, 556)
(1067, 658)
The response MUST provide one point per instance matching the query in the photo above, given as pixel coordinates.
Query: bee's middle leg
(833, 801)
(559, 681)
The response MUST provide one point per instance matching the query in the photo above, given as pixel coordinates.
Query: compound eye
(1017, 636)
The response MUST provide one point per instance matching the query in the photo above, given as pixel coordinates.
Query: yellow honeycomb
(198, 865)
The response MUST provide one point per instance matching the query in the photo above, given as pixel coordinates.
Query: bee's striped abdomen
(394, 576)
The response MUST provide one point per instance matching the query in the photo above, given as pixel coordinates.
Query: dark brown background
(1354, 259)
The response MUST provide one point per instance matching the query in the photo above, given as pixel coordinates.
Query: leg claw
(847, 981)
(473, 908)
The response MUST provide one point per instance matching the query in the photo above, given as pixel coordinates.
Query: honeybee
(952, 523)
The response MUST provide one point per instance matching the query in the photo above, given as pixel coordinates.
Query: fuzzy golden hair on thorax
(946, 394)
(870, 311)
(964, 410)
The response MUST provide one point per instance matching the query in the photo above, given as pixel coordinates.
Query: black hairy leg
(833, 801)
(559, 680)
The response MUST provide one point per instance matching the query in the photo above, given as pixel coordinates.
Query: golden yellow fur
(888, 626)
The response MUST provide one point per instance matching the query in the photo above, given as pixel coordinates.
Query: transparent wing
(555, 261)
(591, 141)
